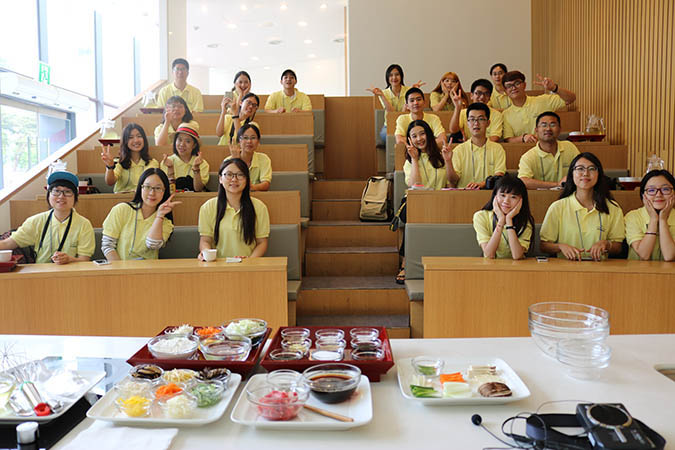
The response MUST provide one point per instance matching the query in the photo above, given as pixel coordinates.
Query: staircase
(350, 265)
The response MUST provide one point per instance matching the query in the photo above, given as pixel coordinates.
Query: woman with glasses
(586, 223)
(650, 229)
(441, 96)
(235, 223)
(499, 99)
(259, 164)
(242, 113)
(186, 168)
(139, 228)
(176, 112)
(59, 235)
(124, 172)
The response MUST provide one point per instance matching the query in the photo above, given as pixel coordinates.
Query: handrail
(71, 146)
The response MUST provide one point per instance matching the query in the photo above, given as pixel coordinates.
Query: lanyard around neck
(581, 237)
(47, 227)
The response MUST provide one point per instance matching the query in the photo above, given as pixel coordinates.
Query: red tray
(11, 264)
(109, 141)
(143, 356)
(372, 369)
(586, 137)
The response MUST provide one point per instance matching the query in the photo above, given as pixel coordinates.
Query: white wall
(431, 37)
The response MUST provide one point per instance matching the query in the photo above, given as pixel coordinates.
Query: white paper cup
(209, 254)
(5, 255)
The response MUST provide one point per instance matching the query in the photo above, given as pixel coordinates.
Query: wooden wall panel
(617, 56)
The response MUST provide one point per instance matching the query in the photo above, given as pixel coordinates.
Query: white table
(400, 423)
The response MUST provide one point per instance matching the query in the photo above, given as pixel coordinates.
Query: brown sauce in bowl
(332, 387)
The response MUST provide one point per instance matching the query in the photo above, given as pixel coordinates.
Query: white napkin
(105, 436)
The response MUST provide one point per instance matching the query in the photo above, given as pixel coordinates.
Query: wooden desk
(477, 297)
(139, 298)
(458, 206)
(285, 157)
(611, 156)
(283, 207)
(212, 102)
(300, 123)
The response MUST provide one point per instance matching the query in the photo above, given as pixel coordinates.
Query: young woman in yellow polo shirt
(59, 235)
(440, 97)
(176, 112)
(259, 164)
(186, 168)
(241, 87)
(585, 223)
(139, 228)
(234, 222)
(243, 112)
(124, 171)
(504, 226)
(650, 229)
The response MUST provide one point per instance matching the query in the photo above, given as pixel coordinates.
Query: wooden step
(334, 209)
(396, 325)
(338, 189)
(350, 234)
(351, 261)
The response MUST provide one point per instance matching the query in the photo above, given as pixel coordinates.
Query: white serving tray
(520, 391)
(105, 409)
(359, 407)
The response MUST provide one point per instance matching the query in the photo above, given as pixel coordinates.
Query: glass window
(70, 34)
(18, 34)
(53, 133)
(19, 143)
(117, 43)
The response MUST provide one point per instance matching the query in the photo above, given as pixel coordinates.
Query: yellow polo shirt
(183, 169)
(191, 95)
(397, 102)
(171, 134)
(128, 226)
(228, 124)
(495, 128)
(568, 222)
(474, 164)
(231, 237)
(520, 120)
(260, 169)
(432, 178)
(540, 165)
(483, 224)
(435, 99)
(636, 226)
(127, 179)
(278, 100)
(499, 101)
(79, 242)
(433, 120)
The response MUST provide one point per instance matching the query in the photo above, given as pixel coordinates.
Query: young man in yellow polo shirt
(481, 90)
(289, 99)
(414, 100)
(519, 118)
(478, 158)
(180, 87)
(546, 164)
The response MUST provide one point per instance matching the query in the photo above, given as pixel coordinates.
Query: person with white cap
(59, 235)
(186, 167)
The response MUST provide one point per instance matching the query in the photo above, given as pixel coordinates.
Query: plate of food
(180, 397)
(459, 381)
(263, 406)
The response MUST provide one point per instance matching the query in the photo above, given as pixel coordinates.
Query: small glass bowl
(368, 355)
(179, 376)
(326, 355)
(583, 359)
(134, 406)
(232, 347)
(333, 382)
(297, 346)
(181, 406)
(361, 333)
(203, 333)
(331, 344)
(335, 334)
(428, 366)
(295, 333)
(279, 354)
(366, 344)
(255, 336)
(159, 395)
(275, 404)
(182, 329)
(221, 374)
(207, 393)
(150, 372)
(283, 379)
(157, 348)
(129, 386)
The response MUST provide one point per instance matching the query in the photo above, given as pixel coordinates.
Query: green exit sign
(44, 73)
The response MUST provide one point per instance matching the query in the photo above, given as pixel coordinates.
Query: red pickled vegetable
(279, 405)
(42, 409)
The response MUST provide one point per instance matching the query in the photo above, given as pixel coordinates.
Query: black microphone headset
(477, 420)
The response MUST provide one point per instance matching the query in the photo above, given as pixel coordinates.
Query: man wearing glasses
(519, 118)
(478, 158)
(180, 87)
(481, 91)
(546, 164)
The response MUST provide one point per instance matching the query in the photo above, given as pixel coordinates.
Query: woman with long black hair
(243, 113)
(233, 222)
(504, 226)
(176, 112)
(125, 171)
(139, 228)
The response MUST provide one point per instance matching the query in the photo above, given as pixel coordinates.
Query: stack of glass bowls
(552, 322)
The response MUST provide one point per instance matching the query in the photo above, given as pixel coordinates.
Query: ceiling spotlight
(274, 41)
(205, 9)
(302, 23)
(266, 67)
(311, 55)
(243, 7)
(283, 7)
(323, 6)
(254, 58)
(232, 26)
(268, 24)
(307, 41)
(214, 45)
(244, 44)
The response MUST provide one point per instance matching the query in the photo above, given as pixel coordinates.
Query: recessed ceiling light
(283, 7)
(232, 26)
(307, 41)
(274, 41)
(317, 67)
(266, 67)
(302, 23)
(205, 9)
(214, 45)
(243, 7)
(244, 44)
(170, 33)
(311, 55)
(268, 24)
(323, 6)
(254, 58)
